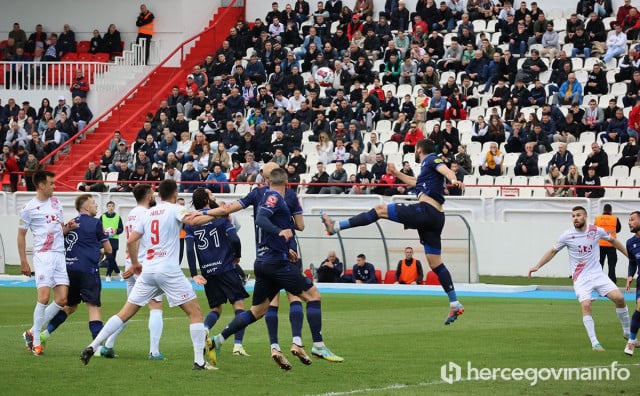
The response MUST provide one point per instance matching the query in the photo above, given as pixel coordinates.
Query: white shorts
(587, 283)
(132, 281)
(50, 269)
(149, 285)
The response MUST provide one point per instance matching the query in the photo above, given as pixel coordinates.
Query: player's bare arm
(298, 220)
(25, 268)
(133, 247)
(619, 246)
(406, 179)
(548, 256)
(106, 247)
(448, 173)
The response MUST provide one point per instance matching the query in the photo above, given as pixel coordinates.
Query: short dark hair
(200, 198)
(362, 256)
(426, 146)
(278, 177)
(81, 200)
(607, 209)
(576, 208)
(167, 188)
(140, 191)
(111, 203)
(41, 176)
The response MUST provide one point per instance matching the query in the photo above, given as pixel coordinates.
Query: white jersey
(44, 219)
(584, 250)
(160, 229)
(137, 214)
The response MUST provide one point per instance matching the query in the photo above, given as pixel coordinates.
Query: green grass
(393, 345)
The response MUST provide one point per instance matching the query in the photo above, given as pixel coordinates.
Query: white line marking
(20, 326)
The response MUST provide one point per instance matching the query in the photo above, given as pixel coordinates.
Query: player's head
(278, 177)
(579, 217)
(44, 182)
(86, 204)
(634, 222)
(168, 190)
(361, 259)
(268, 168)
(424, 147)
(203, 198)
(143, 193)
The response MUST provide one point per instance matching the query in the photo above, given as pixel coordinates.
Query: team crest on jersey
(151, 254)
(271, 201)
(55, 204)
(592, 234)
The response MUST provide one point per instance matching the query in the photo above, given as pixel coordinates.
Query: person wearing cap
(62, 107)
(120, 156)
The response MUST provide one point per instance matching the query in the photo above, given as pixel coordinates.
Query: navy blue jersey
(274, 210)
(633, 249)
(212, 245)
(366, 273)
(255, 197)
(430, 181)
(84, 243)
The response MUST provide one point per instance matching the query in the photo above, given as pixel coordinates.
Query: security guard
(610, 224)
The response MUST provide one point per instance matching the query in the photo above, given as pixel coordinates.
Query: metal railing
(210, 34)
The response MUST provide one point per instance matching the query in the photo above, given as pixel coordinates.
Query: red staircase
(129, 114)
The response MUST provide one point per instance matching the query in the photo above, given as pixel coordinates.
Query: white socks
(587, 320)
(111, 341)
(38, 322)
(155, 330)
(198, 336)
(112, 325)
(297, 341)
(623, 315)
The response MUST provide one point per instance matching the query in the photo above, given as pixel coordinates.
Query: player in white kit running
(43, 216)
(582, 244)
(144, 196)
(159, 234)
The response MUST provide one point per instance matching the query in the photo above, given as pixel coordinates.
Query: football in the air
(324, 76)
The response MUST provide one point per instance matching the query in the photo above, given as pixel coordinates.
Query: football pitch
(392, 345)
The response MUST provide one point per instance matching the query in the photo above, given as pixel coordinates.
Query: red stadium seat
(102, 57)
(379, 276)
(432, 279)
(348, 272)
(3, 44)
(308, 274)
(390, 277)
(86, 57)
(83, 46)
(69, 57)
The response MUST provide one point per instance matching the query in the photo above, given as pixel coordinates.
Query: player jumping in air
(426, 216)
(582, 243)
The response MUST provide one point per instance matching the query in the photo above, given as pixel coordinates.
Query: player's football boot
(280, 360)
(300, 353)
(597, 347)
(28, 340)
(43, 339)
(628, 349)
(38, 350)
(213, 349)
(86, 355)
(454, 312)
(326, 354)
(238, 350)
(108, 353)
(329, 228)
(158, 356)
(205, 366)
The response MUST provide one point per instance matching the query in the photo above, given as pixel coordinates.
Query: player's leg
(314, 318)
(359, 220)
(296, 318)
(197, 332)
(107, 350)
(271, 319)
(614, 294)
(156, 326)
(635, 326)
(587, 320)
(238, 349)
(95, 319)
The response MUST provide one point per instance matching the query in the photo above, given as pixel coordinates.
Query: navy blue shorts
(224, 287)
(84, 287)
(271, 277)
(423, 217)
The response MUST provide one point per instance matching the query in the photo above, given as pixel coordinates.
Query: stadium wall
(175, 20)
(260, 8)
(509, 235)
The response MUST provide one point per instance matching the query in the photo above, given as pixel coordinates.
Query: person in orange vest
(145, 28)
(611, 225)
(409, 271)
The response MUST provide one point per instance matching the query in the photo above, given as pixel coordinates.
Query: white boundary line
(432, 383)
